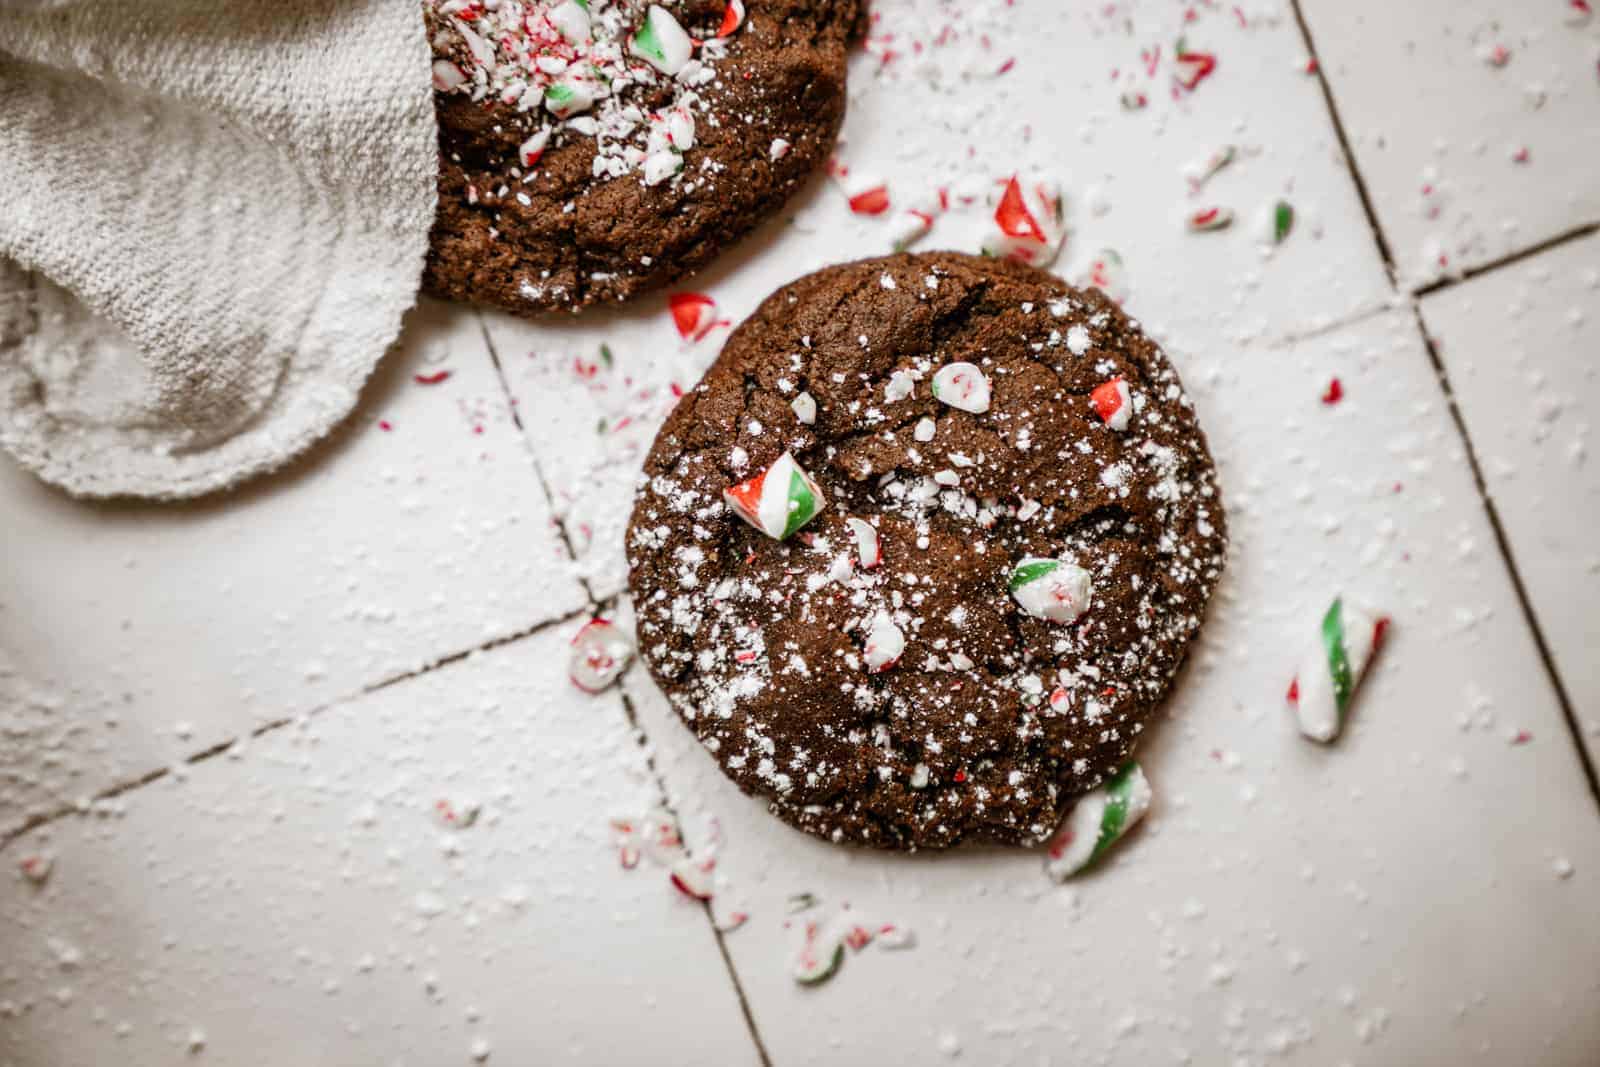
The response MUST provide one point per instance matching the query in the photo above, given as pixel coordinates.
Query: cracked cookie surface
(542, 208)
(992, 719)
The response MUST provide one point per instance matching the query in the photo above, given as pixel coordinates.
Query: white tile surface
(300, 905)
(133, 635)
(1425, 109)
(952, 123)
(1386, 900)
(1520, 347)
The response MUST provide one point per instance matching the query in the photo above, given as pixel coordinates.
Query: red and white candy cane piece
(36, 868)
(866, 538)
(533, 147)
(963, 386)
(600, 652)
(1192, 68)
(1579, 12)
(1113, 403)
(694, 878)
(1210, 218)
(1097, 821)
(627, 838)
(1108, 274)
(694, 314)
(732, 18)
(779, 500)
(884, 644)
(1029, 224)
(456, 813)
(913, 223)
(447, 77)
(1322, 691)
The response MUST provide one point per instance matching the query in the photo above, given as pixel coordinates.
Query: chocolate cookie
(919, 557)
(593, 149)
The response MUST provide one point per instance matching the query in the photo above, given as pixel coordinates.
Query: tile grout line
(1351, 165)
(1530, 617)
(1510, 259)
(628, 710)
(45, 818)
(1523, 599)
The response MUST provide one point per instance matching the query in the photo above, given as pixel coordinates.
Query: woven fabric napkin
(213, 215)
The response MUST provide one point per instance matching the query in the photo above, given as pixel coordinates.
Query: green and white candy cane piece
(779, 500)
(1097, 821)
(1282, 221)
(661, 42)
(1321, 693)
(1053, 589)
(567, 98)
(820, 956)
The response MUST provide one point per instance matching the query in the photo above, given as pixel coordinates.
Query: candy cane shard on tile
(1209, 219)
(1097, 821)
(1057, 590)
(1199, 174)
(866, 539)
(779, 500)
(694, 315)
(912, 223)
(963, 386)
(819, 956)
(1322, 691)
(1113, 403)
(866, 193)
(601, 651)
(36, 868)
(1280, 222)
(661, 42)
(456, 813)
(1108, 274)
(1191, 68)
(1029, 224)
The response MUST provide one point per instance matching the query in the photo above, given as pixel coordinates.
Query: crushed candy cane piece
(661, 42)
(600, 653)
(1192, 68)
(1108, 274)
(963, 386)
(456, 813)
(866, 538)
(819, 957)
(1113, 403)
(1097, 821)
(1029, 223)
(571, 20)
(732, 18)
(533, 148)
(779, 500)
(805, 408)
(37, 867)
(1322, 691)
(693, 314)
(1054, 589)
(1201, 173)
(884, 644)
(693, 878)
(447, 76)
(1211, 218)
